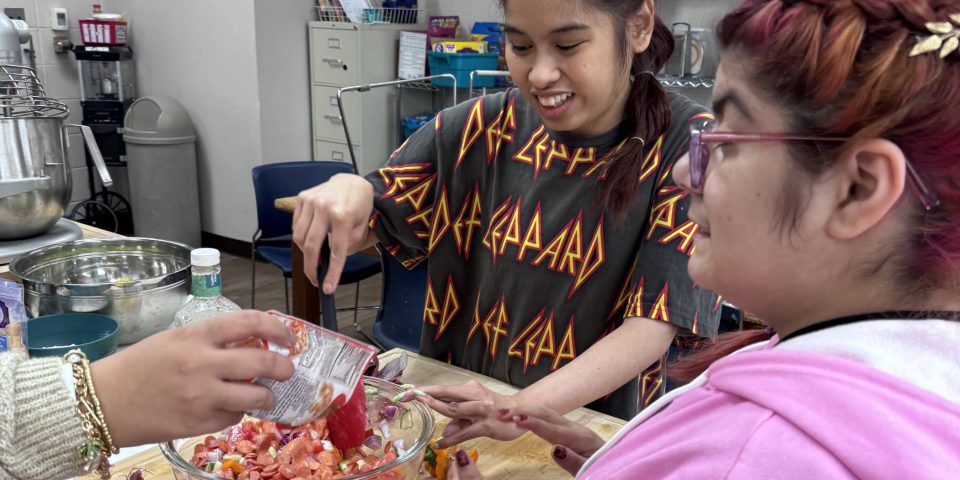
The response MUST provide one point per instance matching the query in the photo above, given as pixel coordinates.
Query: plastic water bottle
(207, 299)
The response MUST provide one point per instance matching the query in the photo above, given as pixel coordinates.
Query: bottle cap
(205, 257)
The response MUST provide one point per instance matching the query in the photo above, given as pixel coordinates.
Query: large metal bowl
(140, 282)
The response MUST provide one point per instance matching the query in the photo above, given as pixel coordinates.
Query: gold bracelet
(111, 447)
(93, 452)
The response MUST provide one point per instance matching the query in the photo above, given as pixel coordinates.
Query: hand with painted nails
(573, 442)
(463, 468)
(337, 211)
(473, 409)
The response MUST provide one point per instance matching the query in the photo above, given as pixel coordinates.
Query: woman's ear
(870, 180)
(640, 27)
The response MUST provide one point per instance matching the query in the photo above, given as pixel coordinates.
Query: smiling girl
(557, 242)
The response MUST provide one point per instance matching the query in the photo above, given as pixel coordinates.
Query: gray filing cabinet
(347, 54)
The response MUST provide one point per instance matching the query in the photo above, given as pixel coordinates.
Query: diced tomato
(348, 424)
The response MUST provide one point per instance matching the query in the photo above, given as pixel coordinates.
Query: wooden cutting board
(527, 457)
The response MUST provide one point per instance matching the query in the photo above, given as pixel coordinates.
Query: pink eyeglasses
(700, 156)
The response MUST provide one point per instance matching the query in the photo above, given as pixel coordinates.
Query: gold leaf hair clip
(944, 38)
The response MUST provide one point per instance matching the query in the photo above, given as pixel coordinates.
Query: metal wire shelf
(686, 82)
(373, 16)
(420, 85)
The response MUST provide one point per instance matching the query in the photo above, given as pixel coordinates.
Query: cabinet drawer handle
(334, 118)
(333, 62)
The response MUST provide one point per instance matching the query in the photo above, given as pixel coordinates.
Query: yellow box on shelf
(460, 46)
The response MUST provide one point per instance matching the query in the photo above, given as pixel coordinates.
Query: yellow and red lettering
(568, 347)
(573, 253)
(472, 131)
(664, 212)
(499, 131)
(423, 218)
(416, 196)
(581, 156)
(660, 310)
(451, 305)
(512, 235)
(514, 350)
(431, 310)
(546, 345)
(595, 258)
(531, 240)
(440, 221)
(469, 219)
(684, 232)
(552, 251)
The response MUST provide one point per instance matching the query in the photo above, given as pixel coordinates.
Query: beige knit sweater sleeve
(39, 425)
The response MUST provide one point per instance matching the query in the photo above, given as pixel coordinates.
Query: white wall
(284, 73)
(204, 54)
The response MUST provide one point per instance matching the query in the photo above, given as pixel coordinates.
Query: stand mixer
(35, 179)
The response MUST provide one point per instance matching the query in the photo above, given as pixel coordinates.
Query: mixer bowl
(139, 282)
(32, 154)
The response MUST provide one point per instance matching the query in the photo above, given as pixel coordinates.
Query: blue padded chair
(400, 318)
(272, 240)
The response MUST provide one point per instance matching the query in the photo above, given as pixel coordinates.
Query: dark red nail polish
(503, 411)
(462, 459)
(559, 452)
(522, 418)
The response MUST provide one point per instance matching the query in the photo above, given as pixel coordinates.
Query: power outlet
(16, 13)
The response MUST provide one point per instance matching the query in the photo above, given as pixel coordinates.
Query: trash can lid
(158, 120)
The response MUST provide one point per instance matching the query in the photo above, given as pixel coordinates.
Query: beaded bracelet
(98, 447)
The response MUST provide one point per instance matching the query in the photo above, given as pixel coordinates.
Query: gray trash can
(162, 166)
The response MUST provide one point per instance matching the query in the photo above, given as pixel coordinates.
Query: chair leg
(253, 277)
(286, 295)
(356, 308)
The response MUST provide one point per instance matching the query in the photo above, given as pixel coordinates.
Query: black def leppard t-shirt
(525, 272)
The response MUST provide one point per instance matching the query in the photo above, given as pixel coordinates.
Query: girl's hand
(189, 381)
(337, 211)
(473, 409)
(463, 468)
(573, 442)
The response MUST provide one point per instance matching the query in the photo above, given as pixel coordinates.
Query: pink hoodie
(872, 400)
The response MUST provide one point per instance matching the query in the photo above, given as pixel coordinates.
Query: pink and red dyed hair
(841, 68)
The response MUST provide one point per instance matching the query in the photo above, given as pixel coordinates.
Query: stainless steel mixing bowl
(140, 282)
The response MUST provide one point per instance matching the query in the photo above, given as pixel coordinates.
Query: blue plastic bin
(460, 65)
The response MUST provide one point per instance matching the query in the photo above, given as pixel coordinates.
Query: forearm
(39, 425)
(608, 364)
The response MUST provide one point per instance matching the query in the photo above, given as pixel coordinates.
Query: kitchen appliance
(35, 179)
(140, 282)
(107, 89)
(13, 33)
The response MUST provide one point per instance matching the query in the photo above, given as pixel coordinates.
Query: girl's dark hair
(647, 115)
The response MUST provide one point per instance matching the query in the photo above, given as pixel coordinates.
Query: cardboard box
(459, 46)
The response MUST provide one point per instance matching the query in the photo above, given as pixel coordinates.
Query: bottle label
(206, 285)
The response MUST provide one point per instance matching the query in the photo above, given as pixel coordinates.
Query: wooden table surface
(527, 457)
